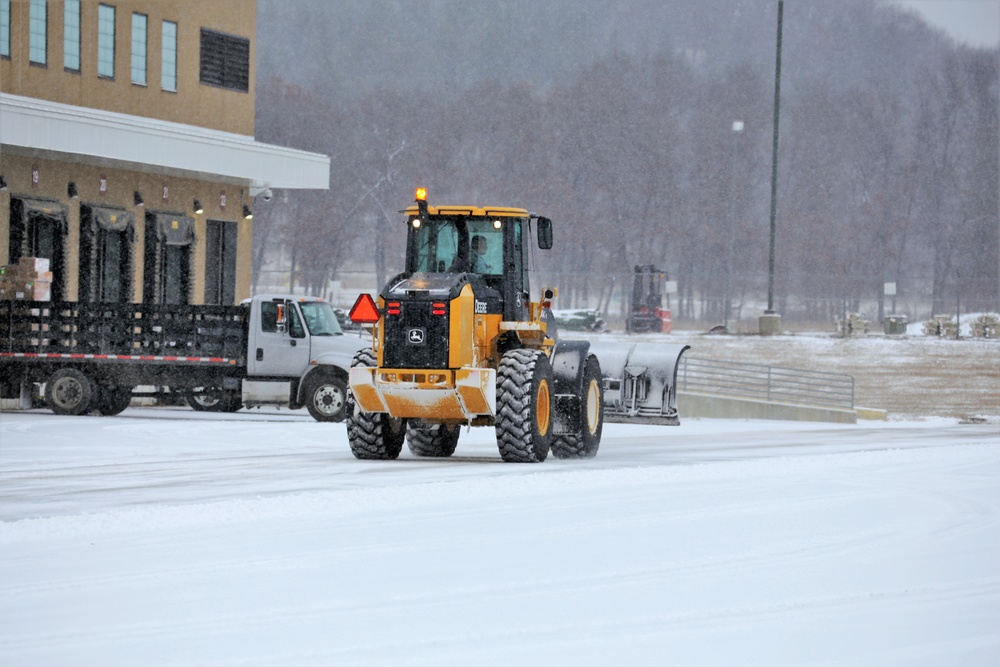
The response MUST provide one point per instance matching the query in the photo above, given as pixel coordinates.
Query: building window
(71, 35)
(225, 61)
(38, 27)
(5, 28)
(106, 41)
(168, 80)
(139, 49)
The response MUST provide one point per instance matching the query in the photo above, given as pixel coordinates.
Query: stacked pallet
(28, 280)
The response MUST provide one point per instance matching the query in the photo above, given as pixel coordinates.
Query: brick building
(127, 154)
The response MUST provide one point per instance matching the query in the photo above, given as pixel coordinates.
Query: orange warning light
(364, 310)
(421, 194)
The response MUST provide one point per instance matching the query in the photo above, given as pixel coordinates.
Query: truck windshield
(320, 318)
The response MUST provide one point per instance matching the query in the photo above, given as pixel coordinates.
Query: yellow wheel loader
(457, 341)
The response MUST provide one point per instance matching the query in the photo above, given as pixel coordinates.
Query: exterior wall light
(72, 191)
(198, 208)
(137, 199)
(247, 213)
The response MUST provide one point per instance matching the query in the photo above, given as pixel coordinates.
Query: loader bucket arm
(640, 382)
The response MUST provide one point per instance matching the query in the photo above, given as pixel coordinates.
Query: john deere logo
(416, 336)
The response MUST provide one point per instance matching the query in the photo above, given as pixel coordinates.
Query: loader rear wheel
(436, 440)
(372, 435)
(584, 443)
(524, 406)
(69, 392)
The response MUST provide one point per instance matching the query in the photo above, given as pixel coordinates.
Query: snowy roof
(158, 146)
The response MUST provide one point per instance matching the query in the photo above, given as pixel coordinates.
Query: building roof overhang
(95, 136)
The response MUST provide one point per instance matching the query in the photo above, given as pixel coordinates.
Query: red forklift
(646, 312)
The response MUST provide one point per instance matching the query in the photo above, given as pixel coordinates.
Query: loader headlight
(497, 224)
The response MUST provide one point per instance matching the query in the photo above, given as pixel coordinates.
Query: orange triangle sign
(364, 310)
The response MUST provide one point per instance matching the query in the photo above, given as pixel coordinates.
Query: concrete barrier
(691, 404)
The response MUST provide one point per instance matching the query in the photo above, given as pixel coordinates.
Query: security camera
(264, 193)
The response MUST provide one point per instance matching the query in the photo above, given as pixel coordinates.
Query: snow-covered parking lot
(168, 537)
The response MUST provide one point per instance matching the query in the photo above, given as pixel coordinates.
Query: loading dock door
(107, 239)
(38, 229)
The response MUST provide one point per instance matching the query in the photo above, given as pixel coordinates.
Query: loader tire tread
(523, 423)
(372, 435)
(432, 440)
(584, 443)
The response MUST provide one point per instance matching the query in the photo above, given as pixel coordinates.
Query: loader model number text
(480, 307)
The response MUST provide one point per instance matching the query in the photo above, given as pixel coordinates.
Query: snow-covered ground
(168, 537)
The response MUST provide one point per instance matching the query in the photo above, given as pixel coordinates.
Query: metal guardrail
(773, 384)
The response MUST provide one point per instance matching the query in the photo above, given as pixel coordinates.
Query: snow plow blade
(640, 382)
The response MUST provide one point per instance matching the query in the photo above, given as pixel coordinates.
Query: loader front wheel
(524, 406)
(434, 440)
(372, 435)
(583, 444)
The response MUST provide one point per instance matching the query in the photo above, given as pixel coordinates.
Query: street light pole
(770, 321)
(737, 128)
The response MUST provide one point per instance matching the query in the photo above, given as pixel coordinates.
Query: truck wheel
(112, 401)
(584, 443)
(210, 399)
(69, 392)
(437, 440)
(524, 406)
(205, 400)
(372, 435)
(326, 398)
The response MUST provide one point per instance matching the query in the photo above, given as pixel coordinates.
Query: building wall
(32, 175)
(53, 178)
(193, 103)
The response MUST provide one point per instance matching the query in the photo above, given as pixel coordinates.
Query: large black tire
(110, 401)
(372, 435)
(436, 440)
(205, 400)
(583, 444)
(524, 406)
(213, 399)
(325, 397)
(69, 392)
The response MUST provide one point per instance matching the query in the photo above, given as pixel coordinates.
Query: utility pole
(770, 321)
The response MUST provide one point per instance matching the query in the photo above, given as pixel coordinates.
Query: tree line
(887, 172)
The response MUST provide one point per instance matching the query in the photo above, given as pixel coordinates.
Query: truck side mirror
(281, 321)
(544, 233)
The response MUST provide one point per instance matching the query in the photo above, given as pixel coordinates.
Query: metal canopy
(156, 146)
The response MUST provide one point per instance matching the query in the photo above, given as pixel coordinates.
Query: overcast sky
(975, 22)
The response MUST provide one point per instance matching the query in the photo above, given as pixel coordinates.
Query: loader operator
(479, 248)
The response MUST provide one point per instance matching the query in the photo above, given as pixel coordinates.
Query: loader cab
(488, 246)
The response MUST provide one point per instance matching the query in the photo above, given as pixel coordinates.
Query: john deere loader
(457, 341)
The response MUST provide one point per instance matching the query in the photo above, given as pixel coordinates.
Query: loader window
(485, 248)
(434, 246)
